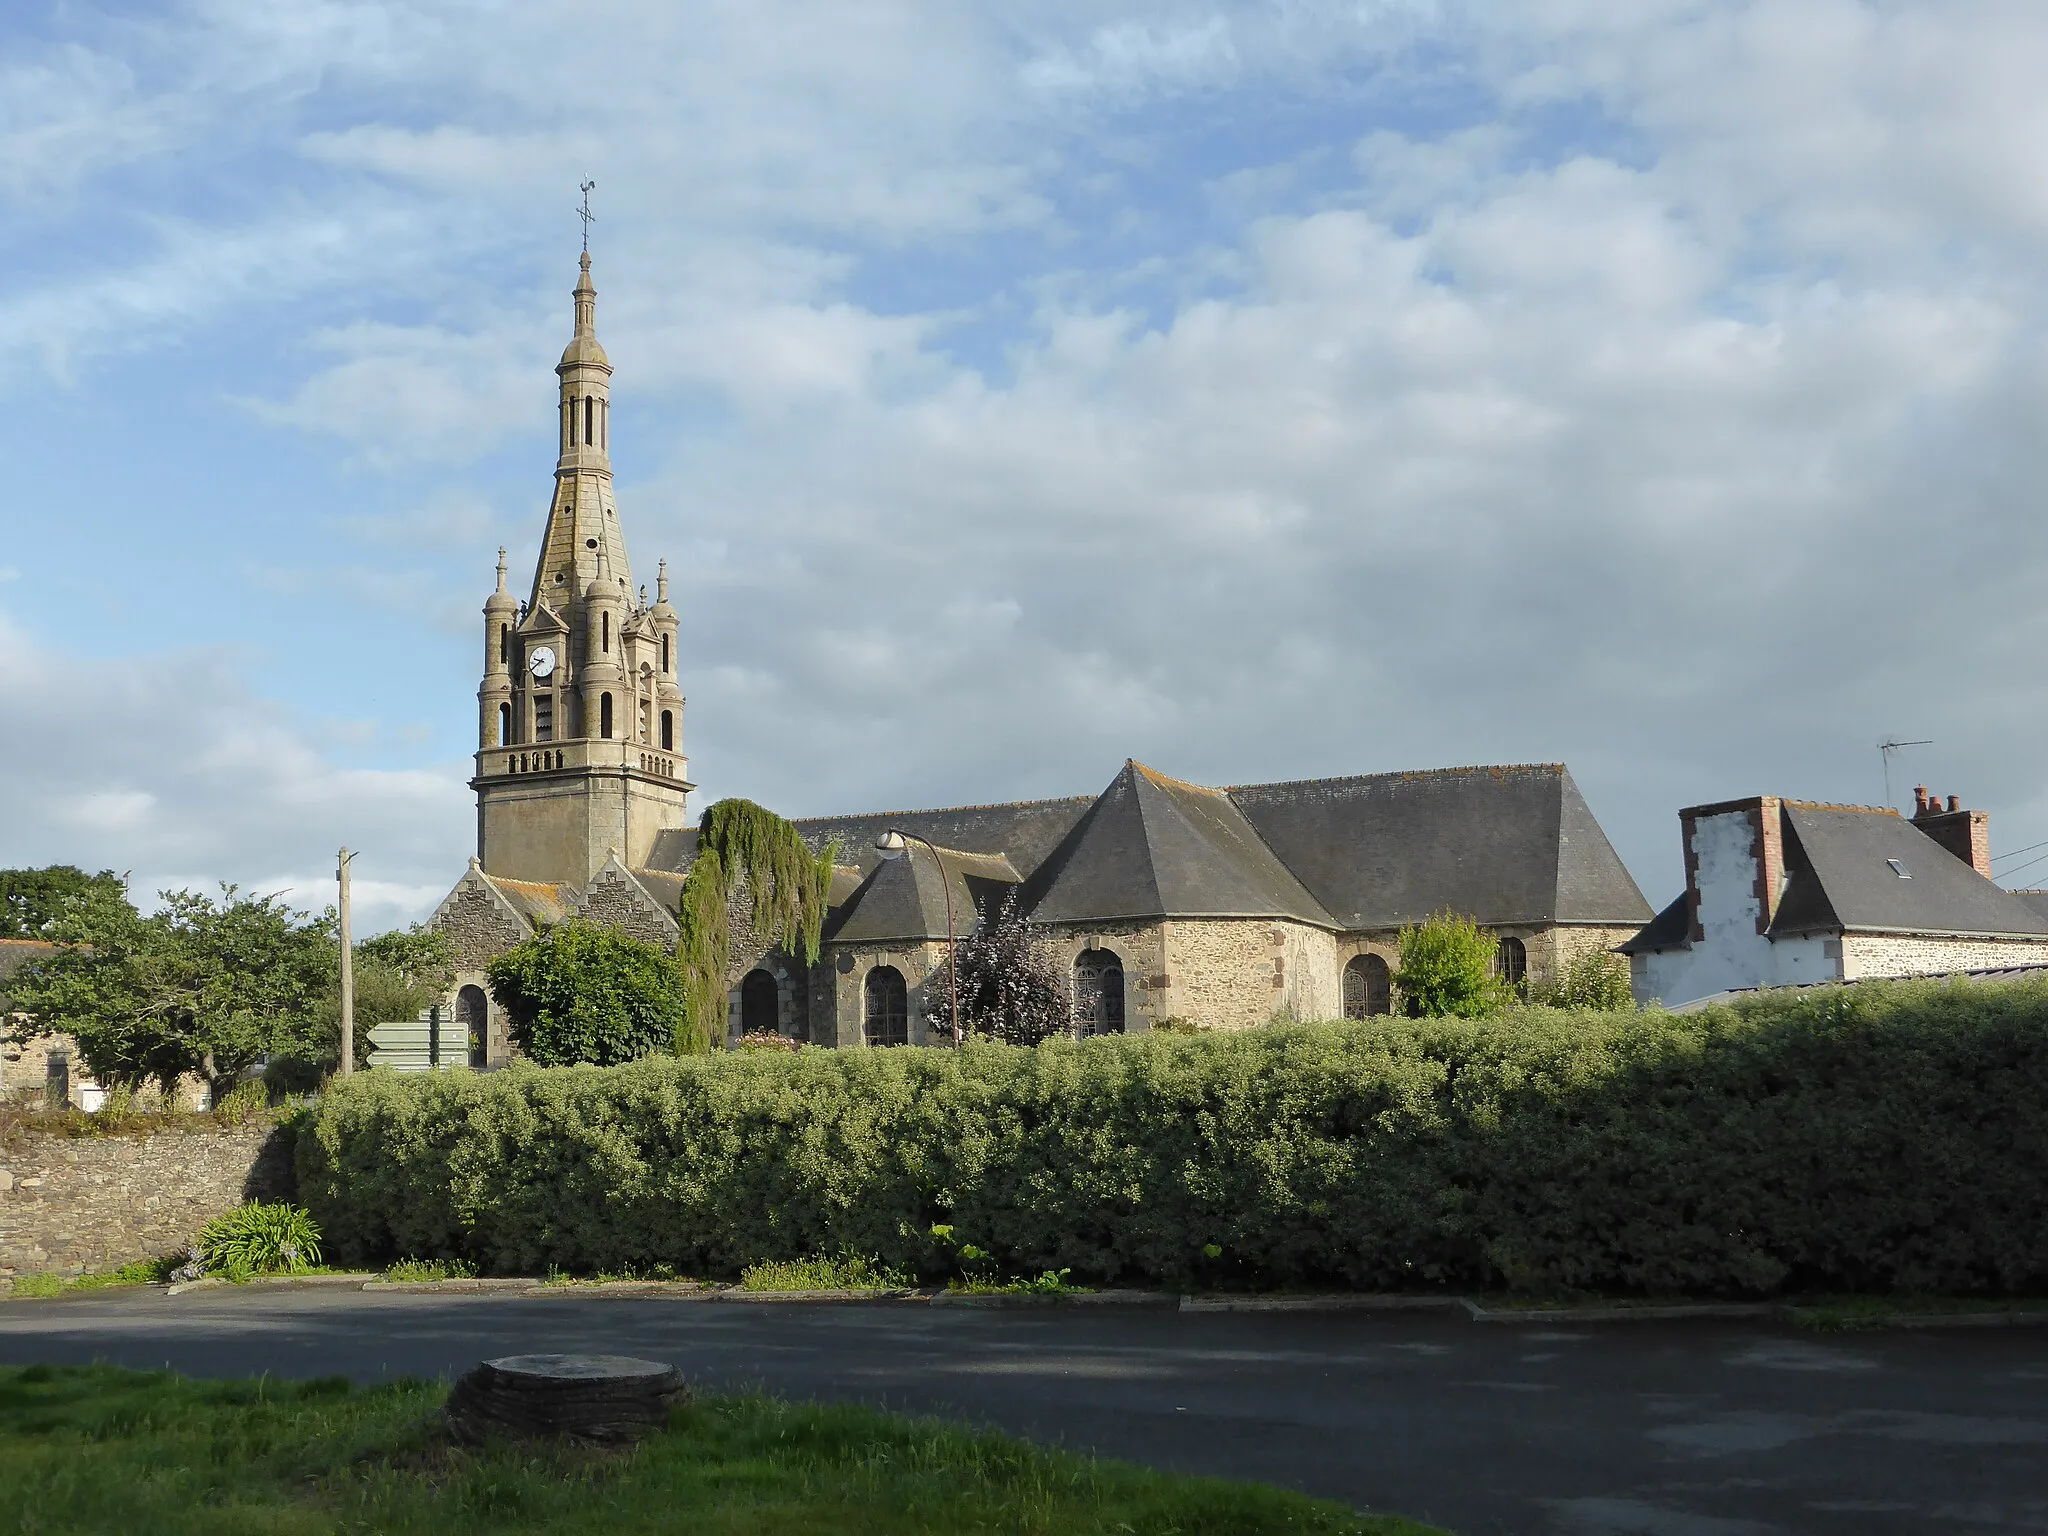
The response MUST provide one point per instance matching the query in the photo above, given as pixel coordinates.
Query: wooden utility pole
(348, 975)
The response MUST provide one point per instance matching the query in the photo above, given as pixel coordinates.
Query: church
(1219, 907)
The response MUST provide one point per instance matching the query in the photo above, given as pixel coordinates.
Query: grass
(96, 1449)
(847, 1272)
(412, 1271)
(1052, 1283)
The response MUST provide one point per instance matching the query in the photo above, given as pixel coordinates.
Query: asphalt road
(1698, 1428)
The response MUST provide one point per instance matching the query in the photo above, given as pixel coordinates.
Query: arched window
(504, 725)
(1368, 988)
(473, 1013)
(760, 1004)
(668, 730)
(605, 622)
(1511, 961)
(604, 715)
(589, 415)
(504, 644)
(664, 653)
(886, 1015)
(1098, 992)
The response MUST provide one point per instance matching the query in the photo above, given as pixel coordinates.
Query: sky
(1261, 391)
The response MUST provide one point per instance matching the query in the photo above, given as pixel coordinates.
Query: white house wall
(1730, 952)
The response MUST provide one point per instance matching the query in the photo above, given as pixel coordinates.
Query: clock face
(542, 662)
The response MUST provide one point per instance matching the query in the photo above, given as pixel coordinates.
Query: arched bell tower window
(504, 725)
(664, 653)
(589, 416)
(504, 644)
(668, 730)
(605, 620)
(604, 715)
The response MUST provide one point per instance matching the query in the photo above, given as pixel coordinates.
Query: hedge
(1878, 1138)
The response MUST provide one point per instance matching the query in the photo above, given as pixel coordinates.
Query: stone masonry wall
(78, 1205)
(1870, 954)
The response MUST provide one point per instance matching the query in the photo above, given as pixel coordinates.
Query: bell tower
(580, 717)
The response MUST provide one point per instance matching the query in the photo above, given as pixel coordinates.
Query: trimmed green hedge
(1875, 1138)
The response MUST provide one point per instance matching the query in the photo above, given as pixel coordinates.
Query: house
(1783, 892)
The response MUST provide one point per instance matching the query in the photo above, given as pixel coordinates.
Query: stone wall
(82, 1204)
(1880, 954)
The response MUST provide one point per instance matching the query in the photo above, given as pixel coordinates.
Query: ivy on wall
(786, 887)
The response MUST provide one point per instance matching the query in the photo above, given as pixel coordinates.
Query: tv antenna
(1885, 749)
(585, 214)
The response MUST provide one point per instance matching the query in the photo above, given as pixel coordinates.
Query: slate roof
(2036, 900)
(1502, 845)
(1669, 929)
(15, 953)
(1841, 880)
(1154, 847)
(1024, 831)
(905, 898)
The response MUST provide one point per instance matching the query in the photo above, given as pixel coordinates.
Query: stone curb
(1622, 1314)
(1334, 1303)
(428, 1286)
(1075, 1299)
(265, 1283)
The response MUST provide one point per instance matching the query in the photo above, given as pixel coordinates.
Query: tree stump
(606, 1398)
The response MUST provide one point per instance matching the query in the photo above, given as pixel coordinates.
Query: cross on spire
(585, 214)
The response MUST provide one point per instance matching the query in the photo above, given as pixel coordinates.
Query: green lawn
(96, 1449)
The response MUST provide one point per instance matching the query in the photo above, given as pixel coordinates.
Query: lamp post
(893, 842)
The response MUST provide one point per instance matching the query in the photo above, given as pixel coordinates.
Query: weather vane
(586, 215)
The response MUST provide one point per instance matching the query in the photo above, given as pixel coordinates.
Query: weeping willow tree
(739, 843)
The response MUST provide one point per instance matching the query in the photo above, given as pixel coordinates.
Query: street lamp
(893, 842)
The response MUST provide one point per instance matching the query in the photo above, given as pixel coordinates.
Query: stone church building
(1222, 907)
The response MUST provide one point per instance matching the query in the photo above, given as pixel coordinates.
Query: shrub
(1596, 979)
(580, 993)
(259, 1239)
(1012, 986)
(1883, 1137)
(1446, 970)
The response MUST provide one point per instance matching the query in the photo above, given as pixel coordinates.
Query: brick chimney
(1966, 834)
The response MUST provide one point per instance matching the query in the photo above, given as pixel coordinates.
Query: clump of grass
(96, 1449)
(845, 1272)
(413, 1271)
(141, 1272)
(240, 1104)
(42, 1283)
(260, 1239)
(1053, 1282)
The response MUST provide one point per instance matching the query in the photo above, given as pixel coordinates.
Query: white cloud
(174, 770)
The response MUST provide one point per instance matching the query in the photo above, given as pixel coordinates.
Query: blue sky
(1262, 391)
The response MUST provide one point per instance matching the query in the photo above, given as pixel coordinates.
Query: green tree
(743, 849)
(33, 899)
(1447, 969)
(397, 974)
(1597, 979)
(582, 993)
(202, 986)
